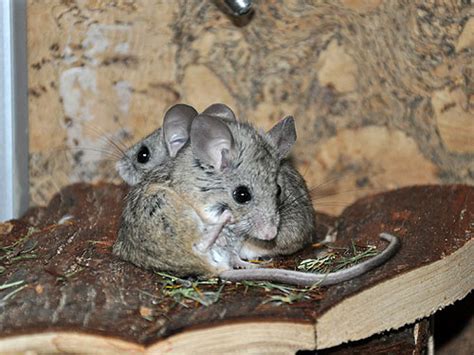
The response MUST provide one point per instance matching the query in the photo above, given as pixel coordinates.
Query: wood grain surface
(381, 90)
(61, 286)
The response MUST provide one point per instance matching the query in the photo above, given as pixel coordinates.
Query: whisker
(69, 155)
(287, 203)
(107, 139)
(110, 154)
(315, 197)
(119, 152)
(324, 183)
(102, 134)
(334, 203)
(126, 135)
(305, 171)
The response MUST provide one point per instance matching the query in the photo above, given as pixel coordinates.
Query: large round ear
(176, 127)
(283, 135)
(212, 141)
(221, 111)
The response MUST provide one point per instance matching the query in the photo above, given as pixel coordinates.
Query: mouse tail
(300, 278)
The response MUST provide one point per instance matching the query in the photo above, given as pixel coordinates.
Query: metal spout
(239, 7)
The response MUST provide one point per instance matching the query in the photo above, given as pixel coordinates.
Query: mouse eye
(241, 194)
(143, 155)
(278, 191)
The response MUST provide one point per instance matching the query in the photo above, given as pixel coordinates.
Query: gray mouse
(227, 180)
(165, 142)
(297, 215)
(158, 147)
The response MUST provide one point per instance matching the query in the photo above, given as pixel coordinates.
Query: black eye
(241, 194)
(143, 155)
(278, 191)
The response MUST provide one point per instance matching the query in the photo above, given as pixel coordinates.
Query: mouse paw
(240, 264)
(263, 260)
(250, 251)
(226, 217)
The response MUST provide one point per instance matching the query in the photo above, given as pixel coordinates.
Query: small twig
(24, 257)
(12, 284)
(14, 292)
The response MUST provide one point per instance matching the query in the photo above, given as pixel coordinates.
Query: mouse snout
(266, 227)
(126, 171)
(268, 232)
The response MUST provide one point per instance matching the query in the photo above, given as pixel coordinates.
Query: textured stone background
(382, 91)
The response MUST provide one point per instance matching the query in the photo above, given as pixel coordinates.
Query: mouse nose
(268, 233)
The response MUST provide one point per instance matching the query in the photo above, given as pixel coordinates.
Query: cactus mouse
(297, 215)
(228, 178)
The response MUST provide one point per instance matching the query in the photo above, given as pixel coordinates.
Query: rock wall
(382, 91)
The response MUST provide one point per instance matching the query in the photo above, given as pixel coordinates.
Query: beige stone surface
(350, 162)
(466, 39)
(361, 5)
(337, 69)
(371, 85)
(201, 86)
(455, 120)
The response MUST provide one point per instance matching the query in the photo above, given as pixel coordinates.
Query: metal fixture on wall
(14, 182)
(239, 7)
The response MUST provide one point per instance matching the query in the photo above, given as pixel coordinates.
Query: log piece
(61, 289)
(414, 339)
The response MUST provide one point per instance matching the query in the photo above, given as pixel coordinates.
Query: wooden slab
(68, 293)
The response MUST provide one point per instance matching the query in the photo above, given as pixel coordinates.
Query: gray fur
(163, 144)
(297, 218)
(283, 135)
(130, 170)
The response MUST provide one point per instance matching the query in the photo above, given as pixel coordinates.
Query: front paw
(241, 264)
(226, 217)
(253, 252)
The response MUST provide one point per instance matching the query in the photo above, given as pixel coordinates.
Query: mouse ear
(176, 127)
(212, 141)
(283, 135)
(221, 111)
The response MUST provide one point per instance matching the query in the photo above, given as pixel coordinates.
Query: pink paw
(226, 217)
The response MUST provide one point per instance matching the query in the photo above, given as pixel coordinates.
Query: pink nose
(269, 233)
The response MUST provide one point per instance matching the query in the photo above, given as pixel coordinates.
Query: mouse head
(241, 169)
(160, 146)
